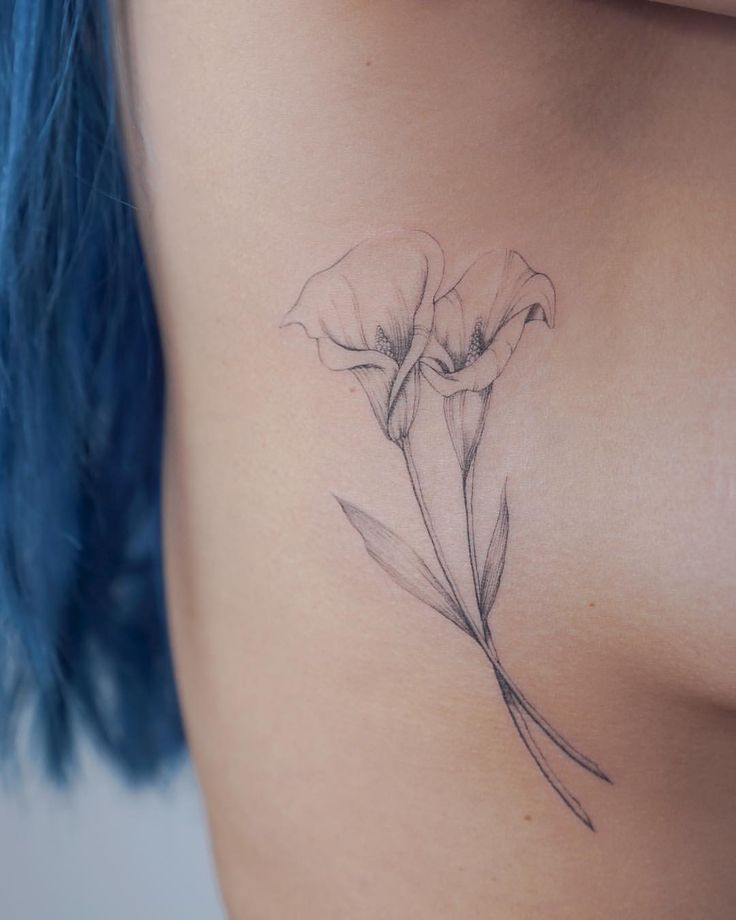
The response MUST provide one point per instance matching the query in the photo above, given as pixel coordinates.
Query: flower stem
(522, 727)
(468, 477)
(431, 529)
(468, 486)
(508, 689)
(514, 699)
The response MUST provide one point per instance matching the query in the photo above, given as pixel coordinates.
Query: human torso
(356, 755)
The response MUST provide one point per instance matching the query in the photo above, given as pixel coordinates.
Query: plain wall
(104, 852)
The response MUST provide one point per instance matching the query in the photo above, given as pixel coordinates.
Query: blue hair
(83, 640)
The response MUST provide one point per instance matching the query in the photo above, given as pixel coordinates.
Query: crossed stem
(523, 714)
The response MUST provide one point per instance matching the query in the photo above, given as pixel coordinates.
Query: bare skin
(355, 753)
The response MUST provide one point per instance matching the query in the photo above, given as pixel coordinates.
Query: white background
(103, 852)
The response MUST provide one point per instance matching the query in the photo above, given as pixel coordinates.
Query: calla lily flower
(372, 313)
(376, 312)
(477, 327)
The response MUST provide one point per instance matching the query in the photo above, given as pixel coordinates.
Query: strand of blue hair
(83, 640)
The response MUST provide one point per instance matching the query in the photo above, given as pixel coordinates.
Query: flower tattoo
(371, 313)
(378, 312)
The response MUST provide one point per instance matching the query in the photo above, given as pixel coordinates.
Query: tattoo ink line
(385, 291)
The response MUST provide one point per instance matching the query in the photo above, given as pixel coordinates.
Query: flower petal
(338, 358)
(522, 290)
(453, 325)
(418, 344)
(372, 313)
(465, 414)
(376, 383)
(374, 371)
(403, 407)
(492, 302)
(481, 373)
(445, 383)
(497, 285)
(383, 287)
(438, 357)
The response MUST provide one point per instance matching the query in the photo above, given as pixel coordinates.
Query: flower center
(383, 344)
(476, 347)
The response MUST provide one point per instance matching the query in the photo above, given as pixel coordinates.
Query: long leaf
(495, 560)
(530, 743)
(403, 564)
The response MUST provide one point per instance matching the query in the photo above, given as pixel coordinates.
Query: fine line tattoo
(378, 312)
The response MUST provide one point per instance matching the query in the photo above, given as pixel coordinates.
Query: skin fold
(724, 7)
(354, 748)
